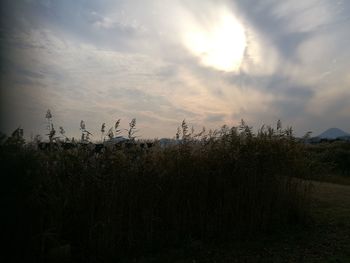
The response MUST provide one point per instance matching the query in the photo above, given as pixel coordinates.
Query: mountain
(333, 133)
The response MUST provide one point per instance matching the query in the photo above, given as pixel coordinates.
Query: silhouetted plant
(132, 130)
(117, 130)
(50, 127)
(103, 131)
(85, 134)
(225, 184)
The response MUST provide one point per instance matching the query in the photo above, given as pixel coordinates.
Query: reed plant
(218, 186)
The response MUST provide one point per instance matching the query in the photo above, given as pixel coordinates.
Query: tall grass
(225, 185)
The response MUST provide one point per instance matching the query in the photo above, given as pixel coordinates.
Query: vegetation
(227, 185)
(333, 156)
(324, 239)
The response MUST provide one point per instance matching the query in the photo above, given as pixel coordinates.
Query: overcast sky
(207, 61)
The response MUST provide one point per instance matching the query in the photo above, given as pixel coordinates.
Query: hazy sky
(160, 61)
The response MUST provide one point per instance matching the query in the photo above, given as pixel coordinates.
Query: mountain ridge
(333, 133)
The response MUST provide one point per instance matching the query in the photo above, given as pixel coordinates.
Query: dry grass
(224, 186)
(325, 239)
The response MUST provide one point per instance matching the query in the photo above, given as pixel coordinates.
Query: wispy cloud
(102, 60)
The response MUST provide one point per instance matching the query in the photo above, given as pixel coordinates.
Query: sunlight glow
(220, 45)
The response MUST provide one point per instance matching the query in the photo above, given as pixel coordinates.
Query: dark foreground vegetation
(333, 158)
(76, 204)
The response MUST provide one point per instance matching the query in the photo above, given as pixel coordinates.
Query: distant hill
(333, 133)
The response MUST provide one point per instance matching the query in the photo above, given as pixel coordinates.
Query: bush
(334, 157)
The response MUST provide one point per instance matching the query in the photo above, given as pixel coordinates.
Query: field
(225, 196)
(326, 238)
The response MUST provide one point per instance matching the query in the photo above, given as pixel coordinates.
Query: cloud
(216, 118)
(304, 16)
(102, 60)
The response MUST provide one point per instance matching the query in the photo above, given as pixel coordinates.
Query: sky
(210, 62)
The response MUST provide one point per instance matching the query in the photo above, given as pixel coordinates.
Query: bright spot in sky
(220, 45)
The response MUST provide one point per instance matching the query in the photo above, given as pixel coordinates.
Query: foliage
(334, 157)
(227, 184)
(132, 130)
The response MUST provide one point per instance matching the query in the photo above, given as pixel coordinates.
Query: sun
(220, 45)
